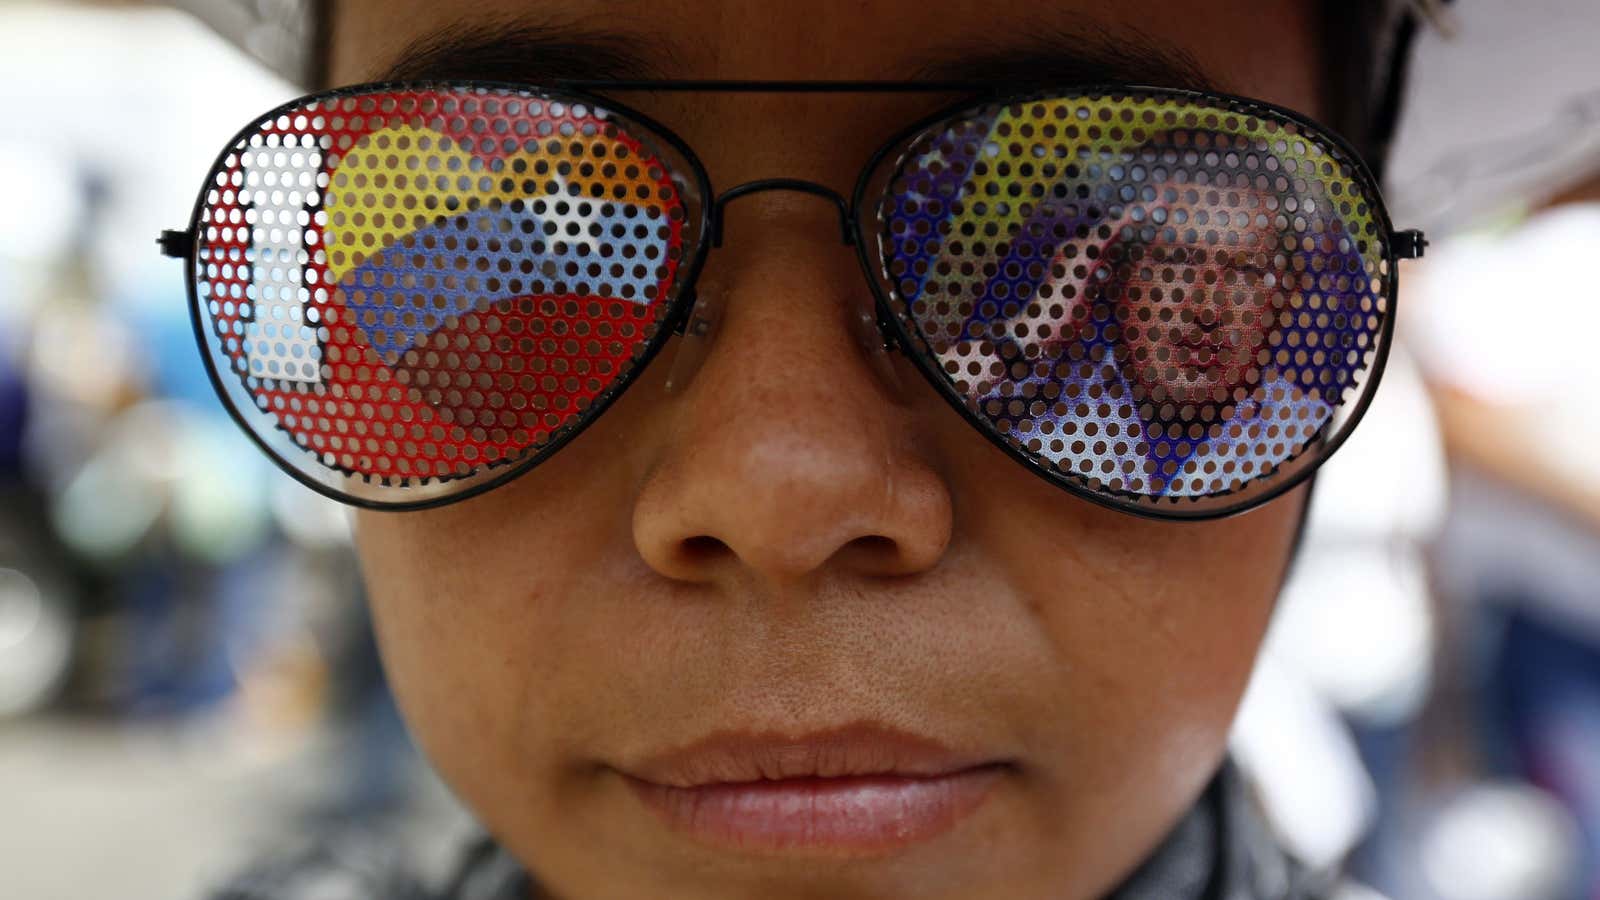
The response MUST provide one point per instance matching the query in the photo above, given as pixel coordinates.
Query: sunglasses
(1176, 304)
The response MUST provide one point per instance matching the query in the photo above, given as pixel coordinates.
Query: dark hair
(1364, 48)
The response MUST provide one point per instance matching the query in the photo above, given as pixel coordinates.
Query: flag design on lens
(420, 284)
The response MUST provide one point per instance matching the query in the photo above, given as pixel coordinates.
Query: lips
(1211, 349)
(859, 790)
(1197, 351)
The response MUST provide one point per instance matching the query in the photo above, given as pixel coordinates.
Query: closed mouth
(860, 790)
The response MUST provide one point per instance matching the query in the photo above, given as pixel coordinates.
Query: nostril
(876, 554)
(874, 545)
(703, 548)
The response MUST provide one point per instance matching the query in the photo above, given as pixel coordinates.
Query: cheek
(457, 649)
(1138, 321)
(487, 616)
(1152, 626)
(1157, 661)
(1162, 649)
(490, 650)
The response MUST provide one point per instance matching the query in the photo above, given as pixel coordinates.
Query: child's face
(799, 540)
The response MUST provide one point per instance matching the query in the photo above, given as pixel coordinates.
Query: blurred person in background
(779, 623)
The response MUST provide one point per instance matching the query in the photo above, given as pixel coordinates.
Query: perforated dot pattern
(421, 285)
(1161, 298)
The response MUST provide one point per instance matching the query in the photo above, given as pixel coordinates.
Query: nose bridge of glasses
(702, 312)
(846, 232)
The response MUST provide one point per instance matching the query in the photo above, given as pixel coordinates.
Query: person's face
(1193, 321)
(804, 538)
(1190, 320)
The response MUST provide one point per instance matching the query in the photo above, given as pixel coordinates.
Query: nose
(789, 455)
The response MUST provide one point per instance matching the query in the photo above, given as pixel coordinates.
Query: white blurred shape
(1292, 747)
(1388, 482)
(1511, 318)
(106, 510)
(161, 457)
(41, 205)
(146, 98)
(1353, 632)
(36, 635)
(82, 356)
(1352, 891)
(1504, 841)
(1505, 110)
(1355, 615)
(308, 518)
(1359, 629)
(219, 511)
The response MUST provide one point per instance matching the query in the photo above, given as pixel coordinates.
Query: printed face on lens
(1174, 304)
(1194, 317)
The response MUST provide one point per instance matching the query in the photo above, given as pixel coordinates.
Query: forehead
(1267, 49)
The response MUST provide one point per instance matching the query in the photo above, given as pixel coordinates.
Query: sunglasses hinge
(891, 344)
(176, 244)
(1408, 244)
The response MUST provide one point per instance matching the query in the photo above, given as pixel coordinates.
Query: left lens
(1170, 303)
(406, 294)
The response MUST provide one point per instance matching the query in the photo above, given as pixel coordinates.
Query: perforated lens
(406, 293)
(1175, 303)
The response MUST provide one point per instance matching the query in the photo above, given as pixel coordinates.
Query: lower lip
(856, 816)
(1211, 360)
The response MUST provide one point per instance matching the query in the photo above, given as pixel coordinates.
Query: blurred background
(186, 670)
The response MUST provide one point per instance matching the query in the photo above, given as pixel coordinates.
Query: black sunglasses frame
(896, 334)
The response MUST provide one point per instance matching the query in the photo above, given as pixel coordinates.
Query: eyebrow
(1070, 56)
(539, 52)
(528, 52)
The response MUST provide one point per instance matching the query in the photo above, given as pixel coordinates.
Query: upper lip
(858, 749)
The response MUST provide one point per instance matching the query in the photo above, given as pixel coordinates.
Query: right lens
(404, 294)
(1171, 302)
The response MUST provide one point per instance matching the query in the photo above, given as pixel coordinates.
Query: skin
(805, 535)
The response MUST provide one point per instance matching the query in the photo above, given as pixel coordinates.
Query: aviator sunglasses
(1173, 303)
